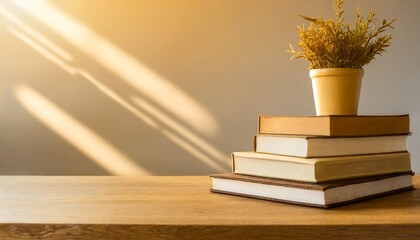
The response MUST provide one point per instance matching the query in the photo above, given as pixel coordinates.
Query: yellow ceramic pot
(336, 90)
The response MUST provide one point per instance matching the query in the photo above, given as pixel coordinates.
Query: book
(315, 146)
(324, 195)
(335, 126)
(319, 169)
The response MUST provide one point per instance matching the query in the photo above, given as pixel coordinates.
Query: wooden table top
(110, 207)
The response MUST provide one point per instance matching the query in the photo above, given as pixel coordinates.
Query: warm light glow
(114, 96)
(75, 133)
(167, 95)
(219, 158)
(216, 161)
(36, 35)
(148, 113)
(141, 115)
(217, 166)
(47, 54)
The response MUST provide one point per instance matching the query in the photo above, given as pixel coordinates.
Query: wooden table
(183, 208)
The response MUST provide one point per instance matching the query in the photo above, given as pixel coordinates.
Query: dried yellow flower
(332, 43)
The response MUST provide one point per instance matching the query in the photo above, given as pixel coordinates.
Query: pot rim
(336, 72)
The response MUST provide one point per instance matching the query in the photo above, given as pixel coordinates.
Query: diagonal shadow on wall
(146, 109)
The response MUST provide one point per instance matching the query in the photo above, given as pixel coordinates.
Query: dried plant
(332, 43)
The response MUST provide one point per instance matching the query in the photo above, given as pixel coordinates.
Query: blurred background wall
(170, 87)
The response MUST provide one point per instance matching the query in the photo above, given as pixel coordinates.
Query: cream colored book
(324, 195)
(312, 146)
(319, 169)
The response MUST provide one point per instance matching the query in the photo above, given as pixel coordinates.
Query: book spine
(259, 124)
(254, 143)
(233, 162)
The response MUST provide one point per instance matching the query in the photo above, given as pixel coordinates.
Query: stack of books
(324, 161)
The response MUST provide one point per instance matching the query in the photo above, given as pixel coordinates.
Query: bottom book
(323, 195)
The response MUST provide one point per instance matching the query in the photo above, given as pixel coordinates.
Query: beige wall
(170, 87)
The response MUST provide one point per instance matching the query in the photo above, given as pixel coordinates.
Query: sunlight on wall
(35, 35)
(114, 96)
(143, 116)
(185, 133)
(145, 111)
(155, 87)
(75, 133)
(44, 52)
(216, 161)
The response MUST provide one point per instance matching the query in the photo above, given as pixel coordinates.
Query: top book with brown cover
(335, 126)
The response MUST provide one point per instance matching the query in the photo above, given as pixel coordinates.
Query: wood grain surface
(183, 208)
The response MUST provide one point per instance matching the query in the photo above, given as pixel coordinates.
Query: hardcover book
(319, 169)
(315, 146)
(335, 126)
(324, 195)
